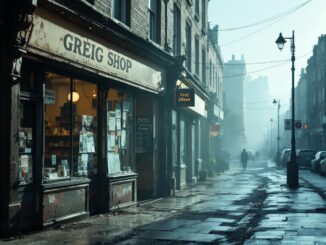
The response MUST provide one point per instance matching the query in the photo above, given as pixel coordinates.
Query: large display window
(70, 128)
(26, 149)
(119, 132)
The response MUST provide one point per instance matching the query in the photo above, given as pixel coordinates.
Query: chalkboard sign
(144, 134)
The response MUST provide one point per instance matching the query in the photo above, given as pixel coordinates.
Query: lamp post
(271, 151)
(292, 167)
(278, 130)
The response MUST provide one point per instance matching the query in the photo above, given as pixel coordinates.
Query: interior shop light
(75, 96)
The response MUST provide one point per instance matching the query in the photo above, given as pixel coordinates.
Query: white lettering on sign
(74, 44)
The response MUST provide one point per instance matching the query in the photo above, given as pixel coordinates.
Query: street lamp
(292, 168)
(278, 130)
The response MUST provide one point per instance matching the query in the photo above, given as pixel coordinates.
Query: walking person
(244, 158)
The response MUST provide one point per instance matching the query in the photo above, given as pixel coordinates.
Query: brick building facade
(90, 86)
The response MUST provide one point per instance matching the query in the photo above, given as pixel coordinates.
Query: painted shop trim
(55, 37)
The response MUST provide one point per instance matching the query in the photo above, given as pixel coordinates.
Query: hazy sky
(308, 22)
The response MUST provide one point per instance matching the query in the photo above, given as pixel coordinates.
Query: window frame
(153, 19)
(176, 30)
(188, 47)
(124, 7)
(203, 68)
(204, 24)
(197, 55)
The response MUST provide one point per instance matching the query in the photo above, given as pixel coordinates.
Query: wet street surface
(252, 206)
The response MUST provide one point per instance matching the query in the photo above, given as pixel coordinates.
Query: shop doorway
(28, 154)
(146, 146)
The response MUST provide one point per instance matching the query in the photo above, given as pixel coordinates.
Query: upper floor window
(153, 7)
(197, 10)
(210, 73)
(188, 46)
(204, 15)
(203, 63)
(121, 11)
(176, 30)
(197, 55)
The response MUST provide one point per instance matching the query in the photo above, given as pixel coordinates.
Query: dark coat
(244, 156)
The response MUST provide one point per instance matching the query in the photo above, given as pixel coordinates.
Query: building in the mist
(234, 135)
(302, 136)
(315, 85)
(89, 89)
(214, 70)
(259, 110)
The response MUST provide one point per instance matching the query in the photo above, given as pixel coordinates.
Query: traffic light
(298, 124)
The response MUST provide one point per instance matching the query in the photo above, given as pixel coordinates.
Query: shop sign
(184, 97)
(49, 98)
(57, 39)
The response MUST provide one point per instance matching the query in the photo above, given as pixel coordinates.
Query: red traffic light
(298, 124)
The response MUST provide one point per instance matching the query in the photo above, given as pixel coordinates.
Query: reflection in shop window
(70, 128)
(119, 132)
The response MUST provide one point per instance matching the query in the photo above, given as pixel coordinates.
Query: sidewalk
(112, 227)
(236, 207)
(293, 216)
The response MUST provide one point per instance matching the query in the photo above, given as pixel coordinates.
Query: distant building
(234, 122)
(259, 110)
(316, 82)
(301, 111)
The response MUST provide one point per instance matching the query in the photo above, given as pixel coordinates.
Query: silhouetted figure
(244, 158)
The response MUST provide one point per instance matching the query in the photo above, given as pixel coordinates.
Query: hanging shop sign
(62, 40)
(184, 97)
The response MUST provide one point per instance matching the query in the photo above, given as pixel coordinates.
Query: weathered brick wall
(139, 25)
(103, 6)
(139, 20)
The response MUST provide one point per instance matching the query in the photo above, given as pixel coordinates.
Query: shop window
(26, 149)
(119, 132)
(70, 128)
(27, 122)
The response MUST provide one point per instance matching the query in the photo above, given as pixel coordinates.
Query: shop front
(189, 135)
(215, 116)
(87, 132)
